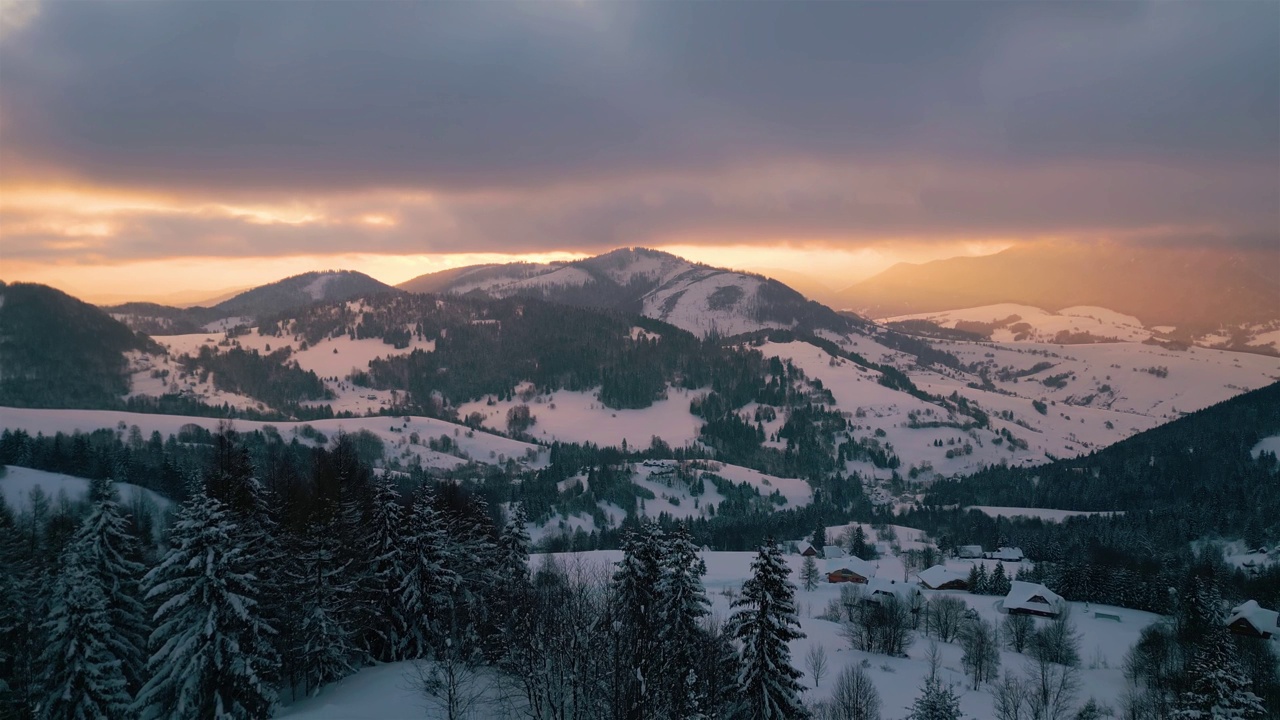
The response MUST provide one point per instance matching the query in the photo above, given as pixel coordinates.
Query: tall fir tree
(513, 544)
(765, 622)
(809, 574)
(211, 650)
(1219, 689)
(634, 611)
(323, 648)
(83, 675)
(382, 622)
(682, 604)
(111, 556)
(429, 579)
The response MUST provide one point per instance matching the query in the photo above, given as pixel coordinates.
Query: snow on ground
(580, 417)
(142, 381)
(395, 431)
(1041, 513)
(225, 324)
(707, 301)
(1043, 325)
(328, 358)
(17, 483)
(1271, 445)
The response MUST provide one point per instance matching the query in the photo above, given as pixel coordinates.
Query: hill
(1195, 290)
(56, 351)
(698, 298)
(247, 307)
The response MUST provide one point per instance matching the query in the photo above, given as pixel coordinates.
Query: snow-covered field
(580, 417)
(1271, 445)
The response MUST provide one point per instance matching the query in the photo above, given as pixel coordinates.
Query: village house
(1026, 598)
(906, 592)
(969, 551)
(849, 569)
(1007, 554)
(807, 550)
(940, 577)
(832, 552)
(1253, 620)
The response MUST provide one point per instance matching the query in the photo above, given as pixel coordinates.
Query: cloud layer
(278, 128)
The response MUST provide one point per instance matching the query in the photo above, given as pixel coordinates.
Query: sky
(165, 148)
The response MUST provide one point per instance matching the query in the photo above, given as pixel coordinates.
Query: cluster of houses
(1024, 598)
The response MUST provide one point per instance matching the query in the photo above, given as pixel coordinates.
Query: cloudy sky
(157, 147)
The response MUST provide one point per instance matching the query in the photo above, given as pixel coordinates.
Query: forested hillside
(56, 351)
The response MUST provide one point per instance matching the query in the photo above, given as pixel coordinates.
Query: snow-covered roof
(832, 551)
(1007, 553)
(855, 564)
(1262, 619)
(903, 590)
(1028, 596)
(804, 547)
(939, 575)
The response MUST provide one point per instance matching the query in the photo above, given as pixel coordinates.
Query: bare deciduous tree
(816, 661)
(854, 698)
(946, 617)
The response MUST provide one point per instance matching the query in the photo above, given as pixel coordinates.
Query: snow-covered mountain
(698, 298)
(249, 306)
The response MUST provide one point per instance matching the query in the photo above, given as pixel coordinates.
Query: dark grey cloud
(454, 95)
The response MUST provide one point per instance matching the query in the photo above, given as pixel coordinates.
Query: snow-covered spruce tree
(633, 610)
(211, 650)
(429, 579)
(513, 544)
(323, 647)
(109, 552)
(935, 703)
(1219, 689)
(83, 677)
(20, 618)
(765, 622)
(381, 620)
(682, 604)
(809, 574)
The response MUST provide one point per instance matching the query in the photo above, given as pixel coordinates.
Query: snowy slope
(396, 433)
(18, 482)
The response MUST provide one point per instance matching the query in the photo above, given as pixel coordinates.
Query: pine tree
(682, 604)
(212, 655)
(634, 610)
(323, 647)
(819, 537)
(999, 583)
(765, 622)
(513, 545)
(83, 676)
(935, 703)
(809, 574)
(381, 617)
(429, 578)
(1219, 689)
(983, 584)
(109, 554)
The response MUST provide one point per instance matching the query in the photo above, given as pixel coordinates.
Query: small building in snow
(1253, 620)
(807, 550)
(832, 552)
(1027, 598)
(849, 569)
(906, 592)
(1007, 554)
(940, 577)
(969, 551)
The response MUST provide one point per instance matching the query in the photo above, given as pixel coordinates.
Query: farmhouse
(939, 577)
(906, 592)
(832, 551)
(808, 550)
(1007, 554)
(1253, 620)
(849, 569)
(1026, 598)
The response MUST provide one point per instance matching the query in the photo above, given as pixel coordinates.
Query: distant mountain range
(1196, 290)
(696, 297)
